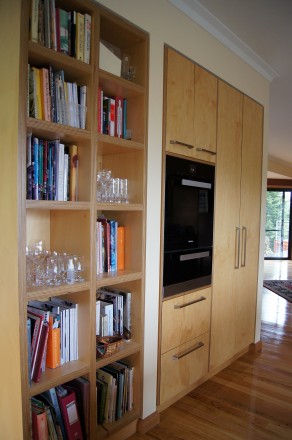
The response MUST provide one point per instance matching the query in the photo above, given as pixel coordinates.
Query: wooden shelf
(122, 276)
(64, 289)
(52, 131)
(53, 205)
(127, 348)
(53, 377)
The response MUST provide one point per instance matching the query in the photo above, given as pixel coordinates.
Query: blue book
(35, 182)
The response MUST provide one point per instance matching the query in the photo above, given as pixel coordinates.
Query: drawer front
(184, 318)
(183, 366)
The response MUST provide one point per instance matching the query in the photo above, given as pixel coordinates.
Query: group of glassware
(111, 189)
(51, 268)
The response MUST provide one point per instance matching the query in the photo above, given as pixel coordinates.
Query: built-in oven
(188, 225)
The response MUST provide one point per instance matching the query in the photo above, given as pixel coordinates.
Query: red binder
(70, 416)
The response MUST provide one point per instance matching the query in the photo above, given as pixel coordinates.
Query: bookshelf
(70, 226)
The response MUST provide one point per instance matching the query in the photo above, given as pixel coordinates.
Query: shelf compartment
(53, 377)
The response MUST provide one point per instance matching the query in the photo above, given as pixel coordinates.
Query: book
(29, 167)
(113, 245)
(41, 350)
(53, 359)
(52, 429)
(39, 420)
(80, 36)
(127, 309)
(69, 411)
(106, 408)
(101, 395)
(121, 248)
(117, 301)
(50, 398)
(34, 20)
(87, 38)
(37, 93)
(106, 309)
(119, 116)
(73, 181)
(45, 94)
(97, 317)
(64, 31)
(118, 374)
(81, 387)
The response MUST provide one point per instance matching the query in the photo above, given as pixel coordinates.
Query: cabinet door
(251, 186)
(179, 105)
(205, 122)
(184, 318)
(226, 223)
(182, 367)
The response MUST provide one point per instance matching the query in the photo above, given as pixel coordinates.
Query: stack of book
(112, 115)
(113, 312)
(51, 170)
(62, 412)
(57, 29)
(110, 246)
(52, 335)
(51, 98)
(114, 391)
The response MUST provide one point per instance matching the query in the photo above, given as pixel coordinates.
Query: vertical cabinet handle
(237, 248)
(243, 246)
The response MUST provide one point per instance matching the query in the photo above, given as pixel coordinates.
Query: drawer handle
(204, 150)
(190, 303)
(176, 357)
(174, 141)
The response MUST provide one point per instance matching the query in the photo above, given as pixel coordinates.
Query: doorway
(278, 224)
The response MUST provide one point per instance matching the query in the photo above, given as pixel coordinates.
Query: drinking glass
(124, 197)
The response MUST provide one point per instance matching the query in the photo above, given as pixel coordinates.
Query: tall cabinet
(208, 120)
(237, 224)
(70, 226)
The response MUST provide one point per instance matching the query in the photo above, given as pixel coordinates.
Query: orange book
(53, 359)
(73, 180)
(121, 247)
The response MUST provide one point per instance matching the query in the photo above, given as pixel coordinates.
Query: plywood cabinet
(184, 343)
(190, 108)
(237, 222)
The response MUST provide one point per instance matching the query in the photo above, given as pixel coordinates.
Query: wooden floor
(252, 398)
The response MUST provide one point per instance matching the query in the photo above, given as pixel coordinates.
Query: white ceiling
(264, 29)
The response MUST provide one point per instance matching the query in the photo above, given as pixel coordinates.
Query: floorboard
(252, 398)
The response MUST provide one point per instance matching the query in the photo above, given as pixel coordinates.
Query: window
(278, 224)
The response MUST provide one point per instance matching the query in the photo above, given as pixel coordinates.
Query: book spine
(45, 94)
(73, 34)
(80, 36)
(119, 117)
(125, 106)
(64, 32)
(28, 167)
(73, 182)
(121, 248)
(35, 182)
(40, 171)
(53, 359)
(87, 37)
(34, 20)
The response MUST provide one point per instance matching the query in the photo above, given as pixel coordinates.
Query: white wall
(166, 24)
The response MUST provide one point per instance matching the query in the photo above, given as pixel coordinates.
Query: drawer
(184, 318)
(183, 366)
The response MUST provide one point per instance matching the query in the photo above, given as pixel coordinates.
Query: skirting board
(145, 424)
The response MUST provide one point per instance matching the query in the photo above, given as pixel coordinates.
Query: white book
(60, 172)
(66, 170)
(97, 318)
(107, 310)
(87, 37)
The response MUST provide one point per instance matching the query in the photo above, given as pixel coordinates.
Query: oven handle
(194, 256)
(196, 184)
